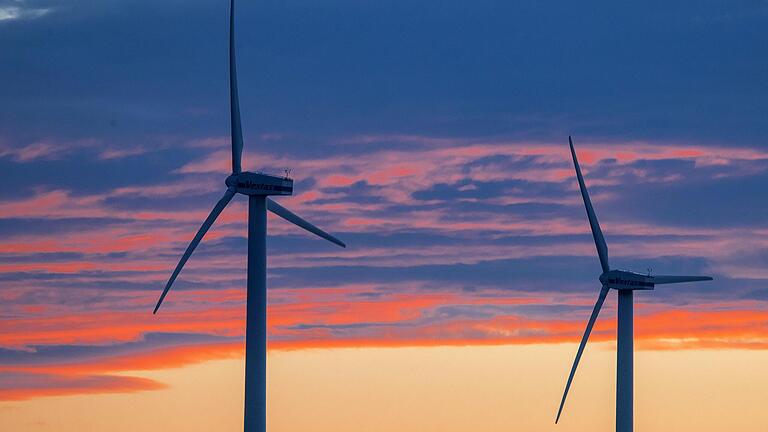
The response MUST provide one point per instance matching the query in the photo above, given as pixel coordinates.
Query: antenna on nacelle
(288, 172)
(649, 271)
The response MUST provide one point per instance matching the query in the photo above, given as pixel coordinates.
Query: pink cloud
(393, 177)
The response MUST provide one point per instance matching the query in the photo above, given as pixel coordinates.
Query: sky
(431, 137)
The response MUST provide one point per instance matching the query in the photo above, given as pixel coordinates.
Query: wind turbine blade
(597, 234)
(234, 101)
(587, 331)
(195, 241)
(297, 220)
(665, 279)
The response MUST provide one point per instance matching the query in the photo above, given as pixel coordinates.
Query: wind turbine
(257, 186)
(625, 282)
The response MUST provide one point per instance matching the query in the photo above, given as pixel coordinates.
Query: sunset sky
(430, 136)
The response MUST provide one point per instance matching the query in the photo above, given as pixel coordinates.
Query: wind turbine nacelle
(626, 280)
(249, 183)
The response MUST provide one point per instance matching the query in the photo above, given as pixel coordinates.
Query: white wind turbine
(257, 186)
(625, 282)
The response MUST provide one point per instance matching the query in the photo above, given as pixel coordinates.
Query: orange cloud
(348, 315)
(56, 385)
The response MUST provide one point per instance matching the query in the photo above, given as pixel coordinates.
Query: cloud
(35, 151)
(57, 370)
(17, 10)
(440, 158)
(457, 241)
(16, 386)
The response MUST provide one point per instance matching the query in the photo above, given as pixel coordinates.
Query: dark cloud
(142, 69)
(21, 226)
(83, 175)
(65, 354)
(732, 201)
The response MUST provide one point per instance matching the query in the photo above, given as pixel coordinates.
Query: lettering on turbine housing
(260, 184)
(248, 184)
(628, 282)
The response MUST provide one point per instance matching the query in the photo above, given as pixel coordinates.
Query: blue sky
(124, 71)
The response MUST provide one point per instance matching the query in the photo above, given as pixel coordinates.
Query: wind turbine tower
(257, 187)
(625, 283)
